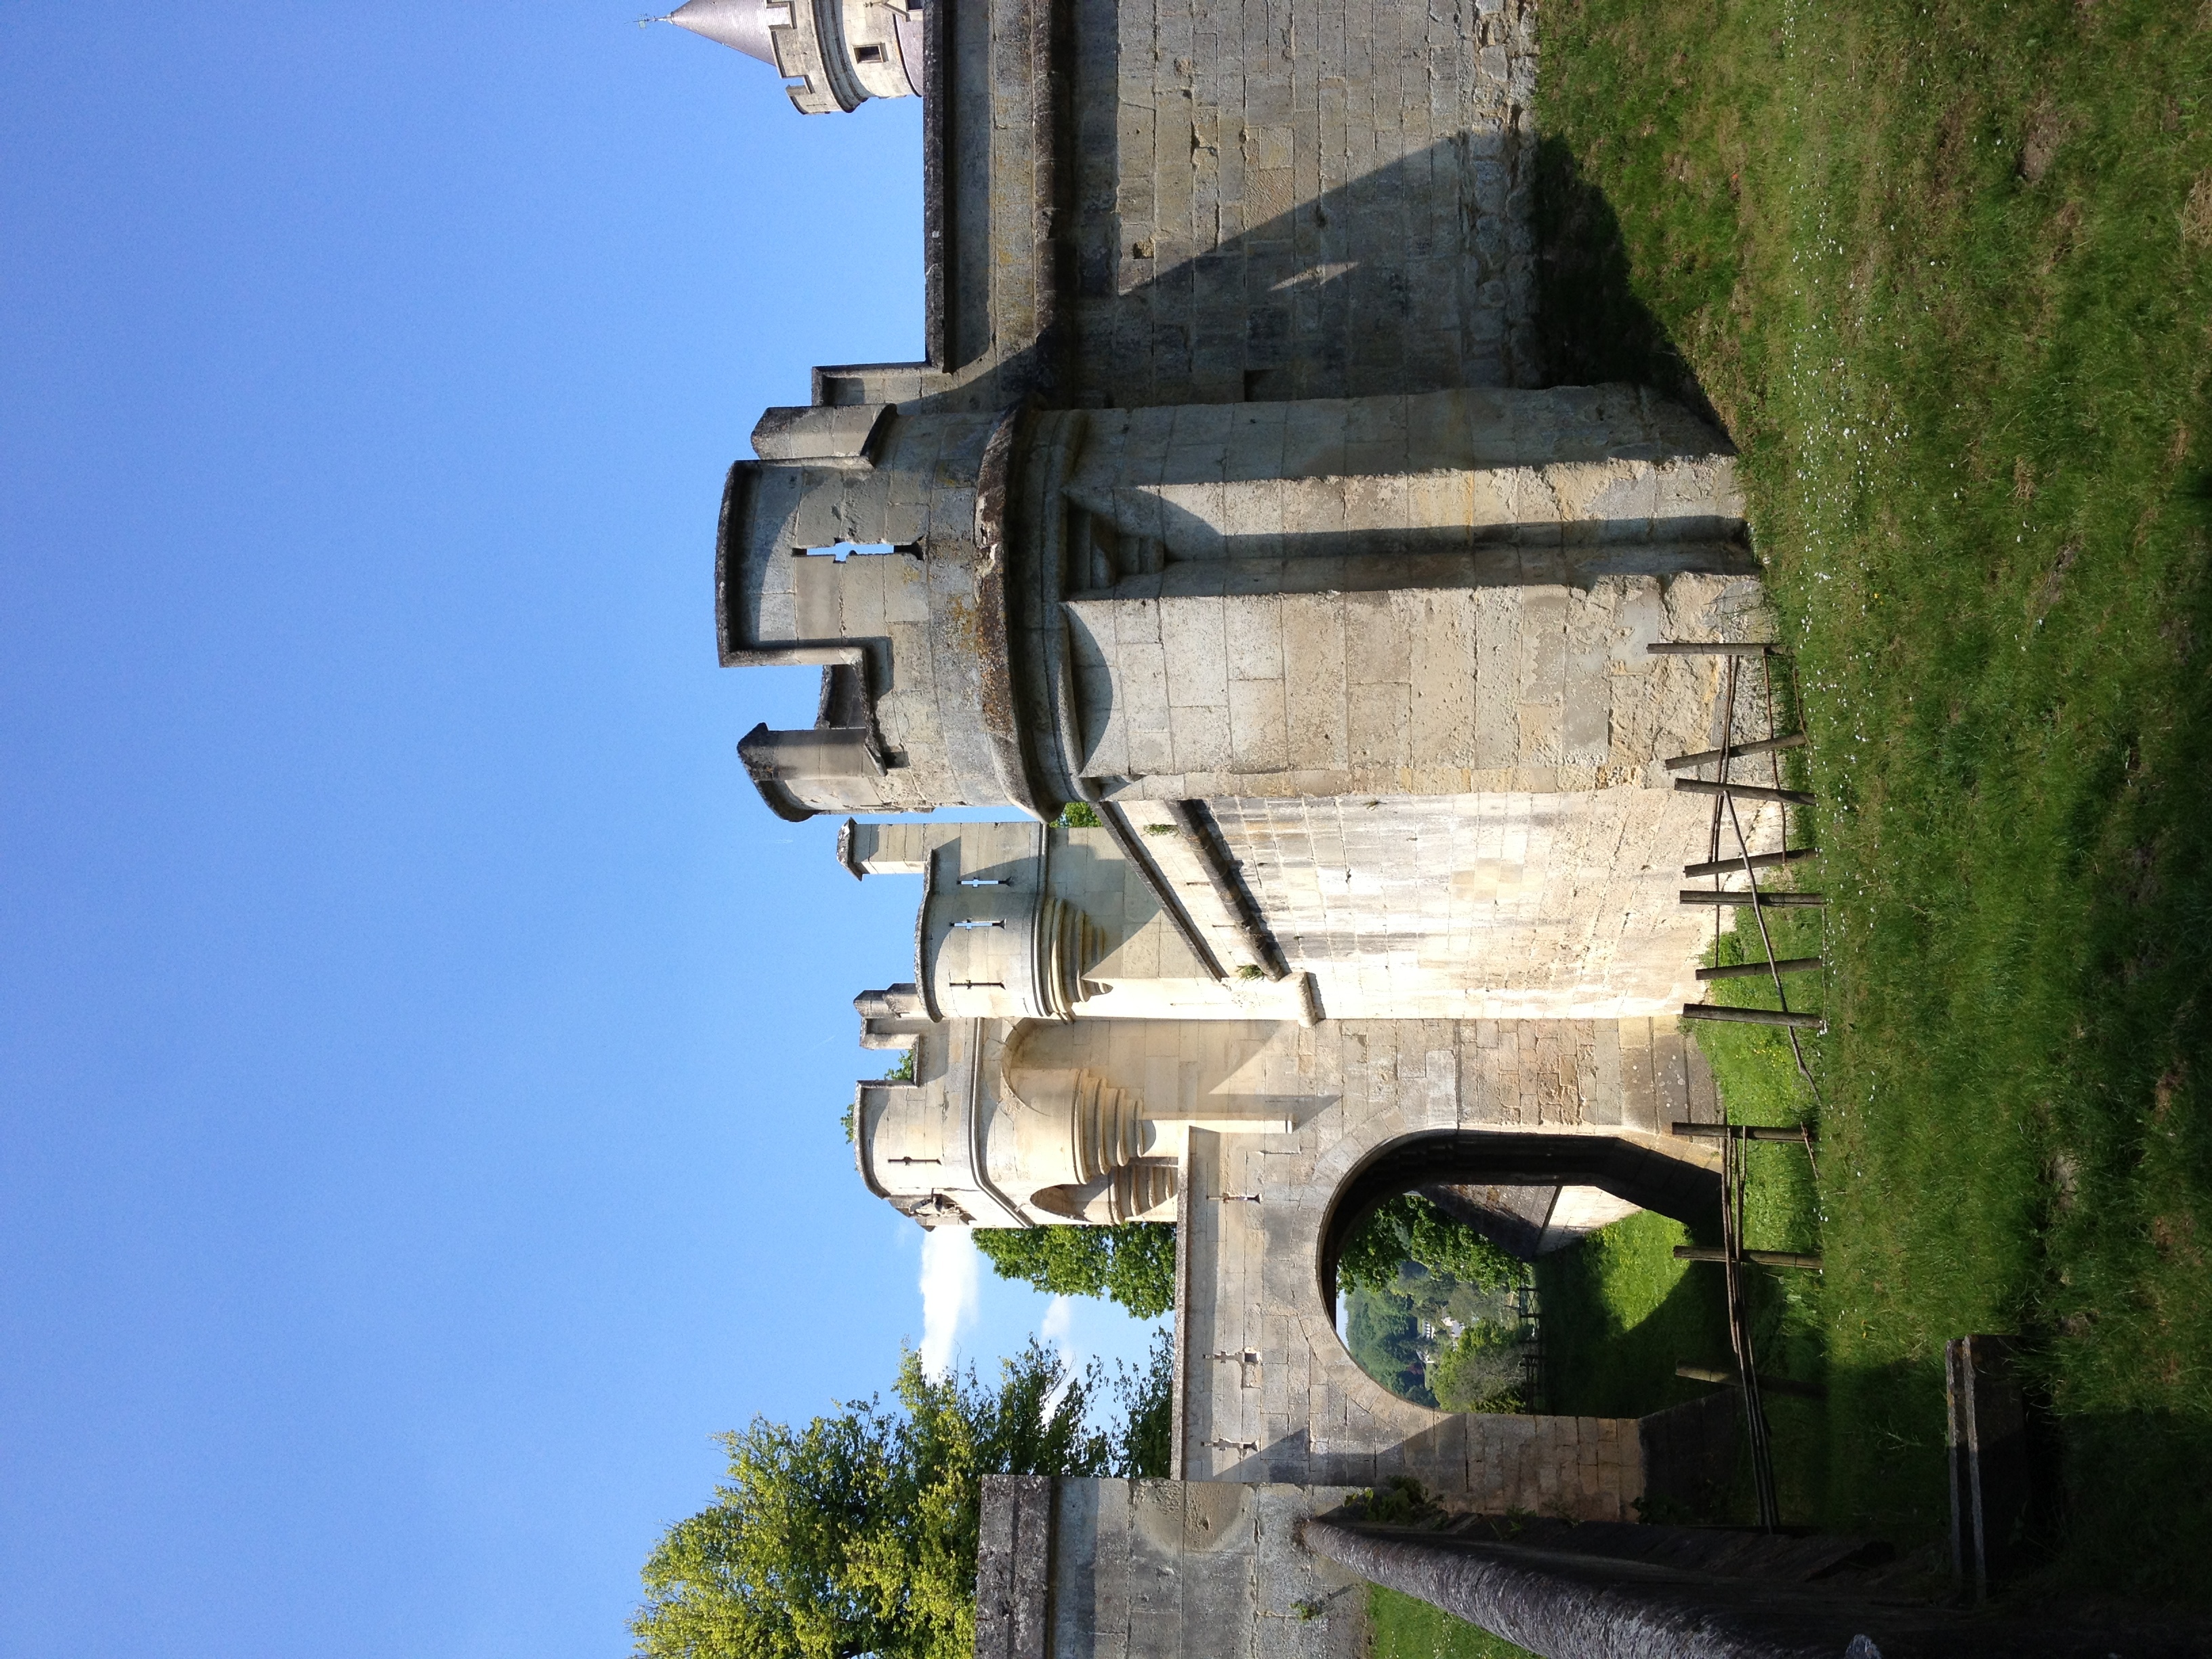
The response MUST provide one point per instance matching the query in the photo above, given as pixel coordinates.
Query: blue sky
(421, 1055)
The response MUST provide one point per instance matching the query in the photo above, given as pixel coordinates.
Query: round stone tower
(835, 54)
(961, 1144)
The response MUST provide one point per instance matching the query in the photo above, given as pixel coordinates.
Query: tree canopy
(1408, 1228)
(1133, 1264)
(1479, 1370)
(1428, 1313)
(1385, 1342)
(856, 1535)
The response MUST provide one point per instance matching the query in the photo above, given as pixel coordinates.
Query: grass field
(1402, 1627)
(1620, 1313)
(1944, 273)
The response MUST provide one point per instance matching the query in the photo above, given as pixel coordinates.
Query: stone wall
(1438, 473)
(1335, 1078)
(1271, 1394)
(1299, 1091)
(1550, 907)
(1540, 908)
(1075, 1568)
(1439, 691)
(1429, 594)
(1251, 178)
(1203, 201)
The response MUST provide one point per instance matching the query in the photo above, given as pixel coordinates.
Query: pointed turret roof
(739, 23)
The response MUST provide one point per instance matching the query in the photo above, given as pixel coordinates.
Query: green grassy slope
(1620, 1313)
(1944, 272)
(1402, 1627)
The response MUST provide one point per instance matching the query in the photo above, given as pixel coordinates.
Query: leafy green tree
(1133, 1264)
(1145, 1441)
(1079, 815)
(1408, 1228)
(1385, 1342)
(1479, 1369)
(856, 1535)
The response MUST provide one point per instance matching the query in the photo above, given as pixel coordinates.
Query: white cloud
(1058, 1325)
(948, 1295)
(1057, 1329)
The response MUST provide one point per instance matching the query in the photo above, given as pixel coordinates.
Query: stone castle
(1229, 501)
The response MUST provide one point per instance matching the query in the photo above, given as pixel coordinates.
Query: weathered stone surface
(1490, 906)
(1570, 1604)
(1442, 595)
(1163, 1569)
(1014, 1568)
(1215, 196)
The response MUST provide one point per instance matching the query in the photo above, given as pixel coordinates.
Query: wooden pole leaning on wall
(1752, 1016)
(1784, 900)
(1745, 791)
(1772, 1384)
(1760, 969)
(1810, 1264)
(1736, 751)
(1756, 861)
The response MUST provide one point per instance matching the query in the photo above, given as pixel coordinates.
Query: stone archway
(1672, 1186)
(1266, 1391)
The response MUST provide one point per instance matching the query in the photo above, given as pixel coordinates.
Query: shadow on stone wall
(1417, 275)
(1485, 259)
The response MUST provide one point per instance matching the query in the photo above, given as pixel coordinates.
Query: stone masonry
(1250, 180)
(1205, 201)
(1104, 1569)
(1228, 502)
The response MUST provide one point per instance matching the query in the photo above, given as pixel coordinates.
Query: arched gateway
(1269, 1393)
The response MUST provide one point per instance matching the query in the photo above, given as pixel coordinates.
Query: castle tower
(994, 1132)
(833, 54)
(1430, 595)
(1065, 1044)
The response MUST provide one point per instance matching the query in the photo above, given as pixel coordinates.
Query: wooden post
(1757, 1258)
(1752, 1016)
(1990, 1484)
(1740, 1131)
(1710, 648)
(1746, 791)
(1761, 970)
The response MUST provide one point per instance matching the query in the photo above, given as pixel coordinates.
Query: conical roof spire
(739, 23)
